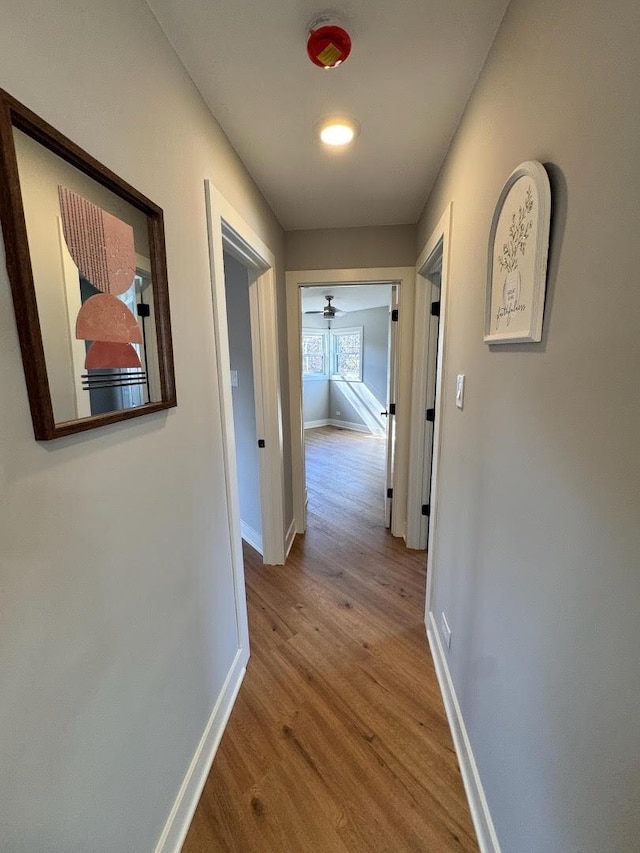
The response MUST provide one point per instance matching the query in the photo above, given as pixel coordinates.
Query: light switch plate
(234, 378)
(460, 390)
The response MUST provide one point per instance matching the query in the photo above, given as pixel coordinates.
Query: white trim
(348, 425)
(403, 276)
(181, 815)
(228, 231)
(482, 821)
(340, 425)
(251, 536)
(314, 424)
(290, 537)
(221, 341)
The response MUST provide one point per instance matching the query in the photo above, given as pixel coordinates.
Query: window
(315, 354)
(346, 354)
(332, 354)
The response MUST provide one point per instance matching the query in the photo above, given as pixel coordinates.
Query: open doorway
(234, 245)
(348, 399)
(403, 280)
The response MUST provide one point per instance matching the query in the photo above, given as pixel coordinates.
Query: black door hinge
(144, 310)
(435, 309)
(389, 493)
(431, 415)
(426, 509)
(261, 442)
(394, 315)
(392, 408)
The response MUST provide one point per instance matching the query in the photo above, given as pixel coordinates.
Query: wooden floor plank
(338, 742)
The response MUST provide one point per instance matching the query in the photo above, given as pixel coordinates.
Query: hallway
(338, 740)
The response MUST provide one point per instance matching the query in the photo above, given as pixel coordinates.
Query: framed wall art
(86, 262)
(517, 264)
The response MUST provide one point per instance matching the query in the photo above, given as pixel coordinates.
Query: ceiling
(346, 298)
(412, 68)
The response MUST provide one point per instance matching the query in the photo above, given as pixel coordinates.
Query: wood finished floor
(338, 742)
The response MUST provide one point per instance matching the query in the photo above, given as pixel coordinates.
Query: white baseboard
(177, 825)
(348, 425)
(290, 537)
(251, 537)
(485, 830)
(315, 424)
(334, 422)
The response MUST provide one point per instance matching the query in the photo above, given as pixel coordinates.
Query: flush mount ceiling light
(338, 131)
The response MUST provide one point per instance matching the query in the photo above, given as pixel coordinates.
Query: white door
(391, 405)
(430, 411)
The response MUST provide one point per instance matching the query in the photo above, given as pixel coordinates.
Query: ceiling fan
(329, 311)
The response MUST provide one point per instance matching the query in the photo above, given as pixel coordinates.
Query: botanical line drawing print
(518, 235)
(517, 254)
(519, 231)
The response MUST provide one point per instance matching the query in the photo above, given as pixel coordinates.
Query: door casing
(229, 232)
(438, 243)
(425, 389)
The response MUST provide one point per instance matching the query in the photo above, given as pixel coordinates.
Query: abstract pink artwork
(101, 245)
(105, 354)
(105, 318)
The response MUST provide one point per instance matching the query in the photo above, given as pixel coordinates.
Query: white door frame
(229, 232)
(438, 243)
(405, 278)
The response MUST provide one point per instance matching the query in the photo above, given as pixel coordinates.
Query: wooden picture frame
(40, 266)
(517, 260)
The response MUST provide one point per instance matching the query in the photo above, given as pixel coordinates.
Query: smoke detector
(328, 43)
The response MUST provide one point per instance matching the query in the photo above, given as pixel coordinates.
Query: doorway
(403, 279)
(349, 386)
(230, 235)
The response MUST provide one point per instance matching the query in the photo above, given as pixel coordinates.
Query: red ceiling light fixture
(328, 44)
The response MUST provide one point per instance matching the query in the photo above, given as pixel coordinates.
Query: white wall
(538, 535)
(244, 404)
(117, 624)
(315, 400)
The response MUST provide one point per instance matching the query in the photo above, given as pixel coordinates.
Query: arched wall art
(517, 265)
(86, 261)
